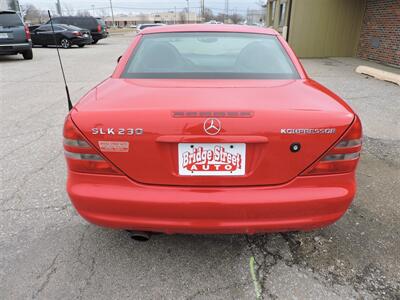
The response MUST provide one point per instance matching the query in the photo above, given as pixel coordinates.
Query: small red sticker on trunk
(111, 146)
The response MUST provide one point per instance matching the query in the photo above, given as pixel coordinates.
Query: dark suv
(96, 26)
(14, 35)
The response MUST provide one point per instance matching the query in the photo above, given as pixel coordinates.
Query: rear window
(86, 22)
(101, 22)
(210, 55)
(10, 20)
(82, 22)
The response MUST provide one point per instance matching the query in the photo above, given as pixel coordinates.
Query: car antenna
(61, 65)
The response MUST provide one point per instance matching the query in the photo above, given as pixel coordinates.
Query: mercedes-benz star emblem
(212, 126)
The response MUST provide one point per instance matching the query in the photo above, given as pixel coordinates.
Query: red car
(211, 129)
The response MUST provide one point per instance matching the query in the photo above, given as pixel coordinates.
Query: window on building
(271, 12)
(282, 14)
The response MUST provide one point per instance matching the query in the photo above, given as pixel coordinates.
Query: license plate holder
(216, 159)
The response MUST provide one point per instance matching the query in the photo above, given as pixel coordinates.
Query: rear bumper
(81, 41)
(99, 35)
(305, 203)
(14, 48)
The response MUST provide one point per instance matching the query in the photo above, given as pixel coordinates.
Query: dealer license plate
(3, 35)
(212, 159)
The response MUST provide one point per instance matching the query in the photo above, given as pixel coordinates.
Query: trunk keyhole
(295, 147)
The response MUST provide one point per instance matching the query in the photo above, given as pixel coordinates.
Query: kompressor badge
(308, 130)
(212, 159)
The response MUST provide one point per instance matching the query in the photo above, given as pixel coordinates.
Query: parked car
(65, 36)
(15, 37)
(96, 26)
(140, 27)
(212, 22)
(211, 129)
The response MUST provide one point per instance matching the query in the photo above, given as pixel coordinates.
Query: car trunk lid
(139, 126)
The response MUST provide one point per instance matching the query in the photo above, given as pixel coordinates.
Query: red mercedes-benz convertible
(211, 129)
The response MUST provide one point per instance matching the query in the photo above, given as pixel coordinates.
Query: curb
(379, 74)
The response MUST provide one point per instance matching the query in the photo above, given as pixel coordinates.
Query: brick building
(369, 29)
(380, 32)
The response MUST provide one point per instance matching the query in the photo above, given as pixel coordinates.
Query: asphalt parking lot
(48, 252)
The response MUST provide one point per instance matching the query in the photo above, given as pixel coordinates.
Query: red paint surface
(149, 194)
(303, 204)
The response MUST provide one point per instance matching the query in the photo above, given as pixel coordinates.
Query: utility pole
(175, 15)
(112, 13)
(202, 9)
(226, 10)
(93, 9)
(188, 11)
(58, 6)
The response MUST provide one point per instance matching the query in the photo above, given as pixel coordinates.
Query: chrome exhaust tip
(140, 236)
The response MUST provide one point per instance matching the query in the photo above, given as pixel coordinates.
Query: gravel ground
(48, 252)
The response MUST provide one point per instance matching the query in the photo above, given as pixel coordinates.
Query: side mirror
(119, 58)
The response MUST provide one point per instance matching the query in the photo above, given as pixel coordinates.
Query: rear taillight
(77, 33)
(98, 28)
(27, 32)
(344, 156)
(80, 155)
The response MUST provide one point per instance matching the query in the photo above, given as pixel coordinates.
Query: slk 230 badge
(117, 131)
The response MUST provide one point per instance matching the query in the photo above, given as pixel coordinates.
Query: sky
(146, 6)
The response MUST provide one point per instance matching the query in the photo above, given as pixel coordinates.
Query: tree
(236, 18)
(220, 17)
(83, 13)
(103, 12)
(32, 15)
(208, 14)
(69, 10)
(182, 16)
(30, 12)
(12, 4)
